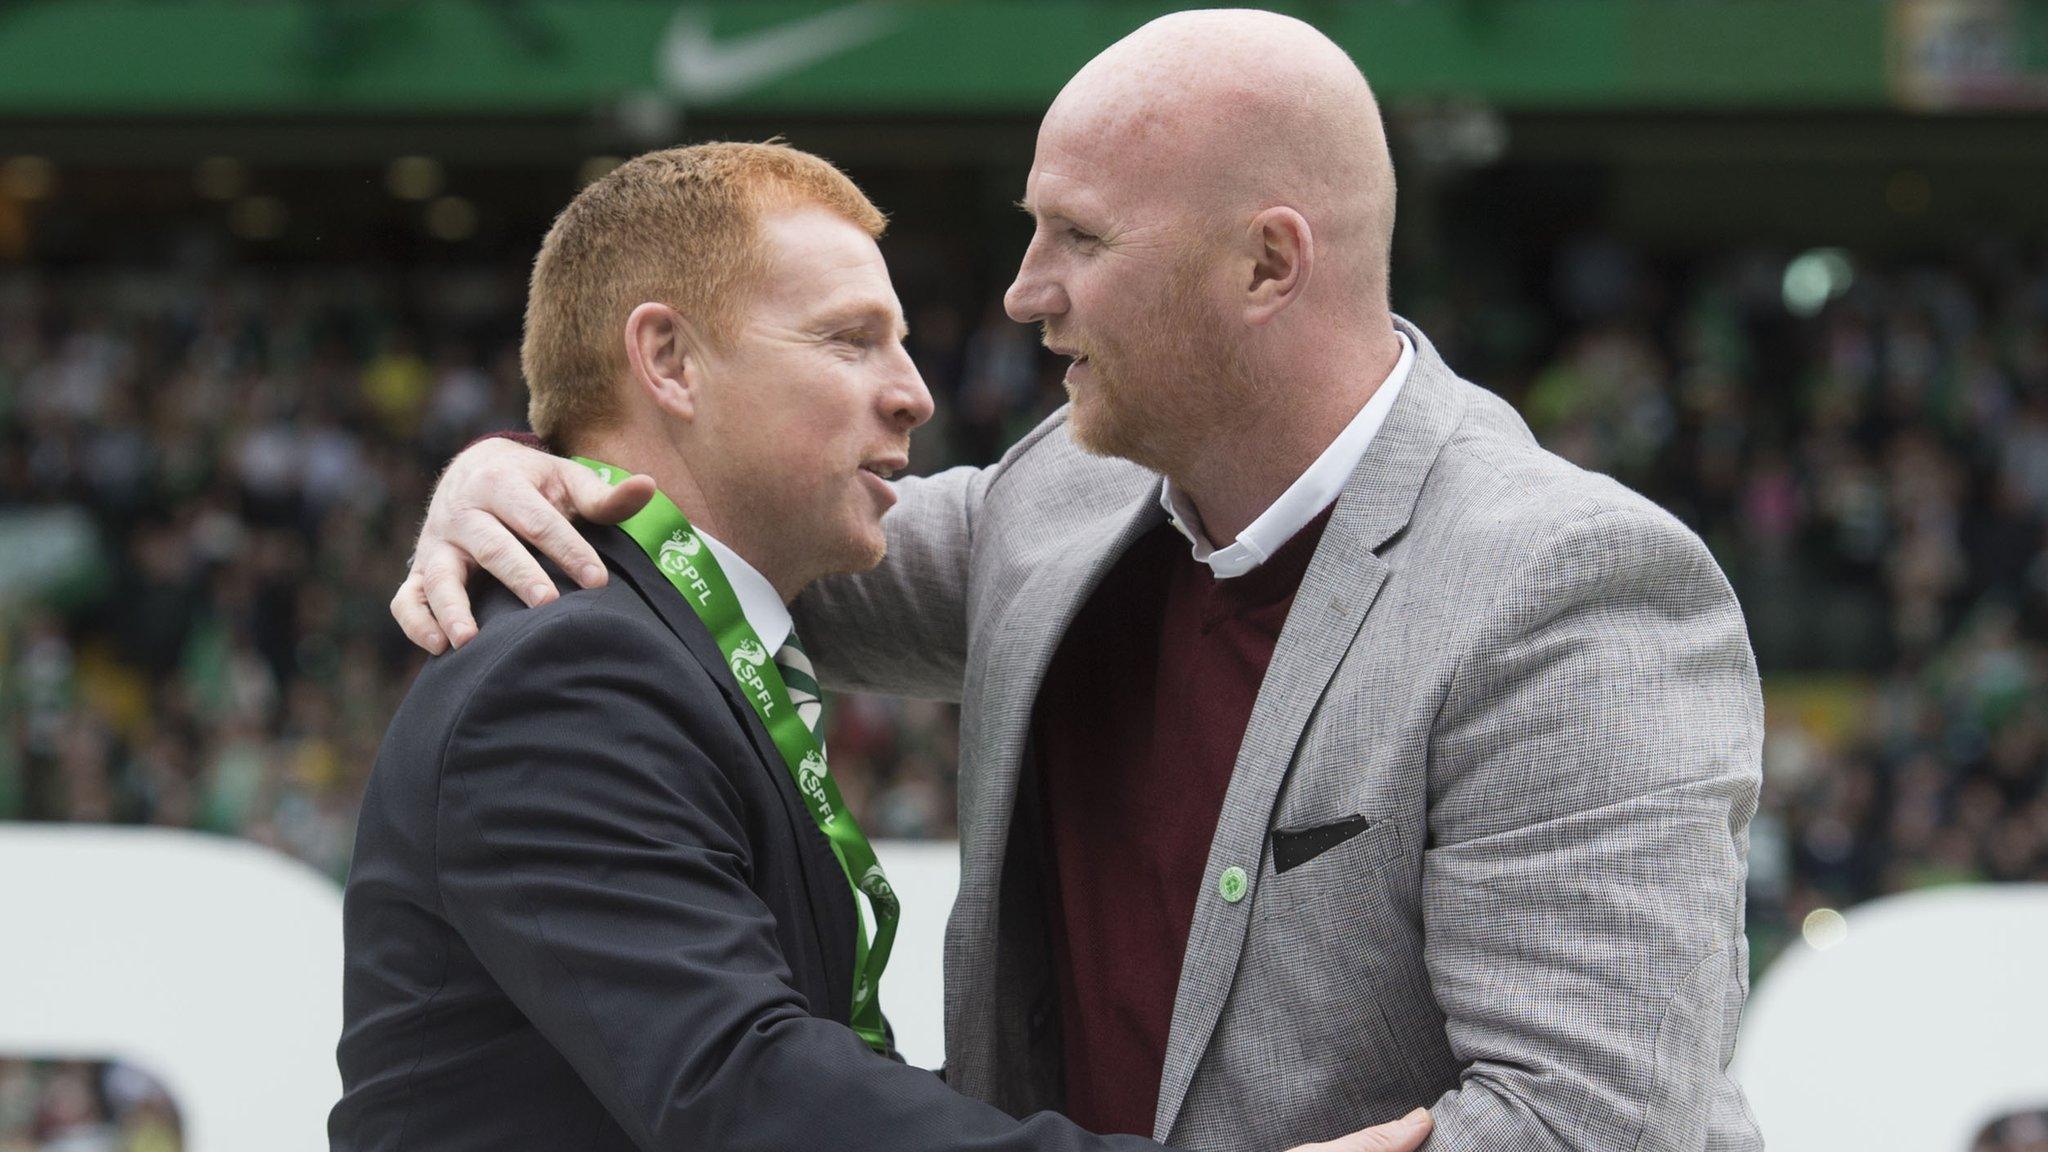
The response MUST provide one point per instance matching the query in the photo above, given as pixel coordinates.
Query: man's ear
(662, 359)
(1283, 256)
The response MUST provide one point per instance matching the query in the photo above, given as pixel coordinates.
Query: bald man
(1326, 744)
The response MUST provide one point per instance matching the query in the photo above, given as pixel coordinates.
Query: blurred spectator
(2020, 1132)
(76, 1106)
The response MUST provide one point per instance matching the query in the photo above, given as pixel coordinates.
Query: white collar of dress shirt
(764, 610)
(1305, 499)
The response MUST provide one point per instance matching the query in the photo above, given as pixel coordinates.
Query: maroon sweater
(1137, 730)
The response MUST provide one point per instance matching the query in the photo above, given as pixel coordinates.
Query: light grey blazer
(1536, 685)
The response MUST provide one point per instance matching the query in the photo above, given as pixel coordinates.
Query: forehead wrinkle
(1061, 209)
(1054, 194)
(1142, 153)
(1109, 180)
(812, 271)
(887, 313)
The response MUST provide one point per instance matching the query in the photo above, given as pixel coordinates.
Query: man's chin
(1086, 440)
(1089, 425)
(871, 554)
(1099, 433)
(859, 554)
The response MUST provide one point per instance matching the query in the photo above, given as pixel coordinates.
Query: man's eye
(857, 338)
(1077, 236)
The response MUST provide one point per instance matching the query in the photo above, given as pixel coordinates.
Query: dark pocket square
(1293, 847)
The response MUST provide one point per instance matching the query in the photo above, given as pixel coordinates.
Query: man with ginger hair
(1326, 743)
(605, 894)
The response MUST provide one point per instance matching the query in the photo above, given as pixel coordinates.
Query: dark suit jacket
(588, 910)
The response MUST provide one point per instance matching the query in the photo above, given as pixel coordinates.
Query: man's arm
(591, 853)
(900, 629)
(496, 487)
(1592, 775)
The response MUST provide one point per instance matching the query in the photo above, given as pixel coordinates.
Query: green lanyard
(665, 534)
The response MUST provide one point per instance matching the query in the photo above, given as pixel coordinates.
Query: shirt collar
(765, 612)
(1311, 492)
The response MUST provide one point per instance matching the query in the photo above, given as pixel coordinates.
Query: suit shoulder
(1495, 486)
(520, 649)
(1046, 434)
(507, 628)
(1047, 470)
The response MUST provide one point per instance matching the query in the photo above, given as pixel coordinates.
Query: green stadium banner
(455, 57)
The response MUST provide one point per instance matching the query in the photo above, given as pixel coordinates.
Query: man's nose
(910, 402)
(1033, 295)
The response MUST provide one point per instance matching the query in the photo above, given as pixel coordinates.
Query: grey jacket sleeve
(594, 857)
(901, 629)
(1591, 780)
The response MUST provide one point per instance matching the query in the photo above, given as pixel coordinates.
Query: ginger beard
(1173, 378)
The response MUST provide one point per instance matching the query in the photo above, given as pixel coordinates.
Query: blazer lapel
(1018, 650)
(830, 895)
(1339, 588)
(1030, 631)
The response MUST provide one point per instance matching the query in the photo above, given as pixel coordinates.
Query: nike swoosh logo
(697, 66)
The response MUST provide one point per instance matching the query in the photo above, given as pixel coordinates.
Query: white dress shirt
(1305, 499)
(764, 610)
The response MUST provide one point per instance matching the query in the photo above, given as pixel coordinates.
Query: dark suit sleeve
(592, 855)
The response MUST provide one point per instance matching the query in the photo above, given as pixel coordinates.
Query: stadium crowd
(209, 484)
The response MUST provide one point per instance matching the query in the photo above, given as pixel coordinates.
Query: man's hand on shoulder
(495, 494)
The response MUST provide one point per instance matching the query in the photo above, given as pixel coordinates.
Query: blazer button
(1232, 884)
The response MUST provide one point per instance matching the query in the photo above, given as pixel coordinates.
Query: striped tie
(802, 681)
